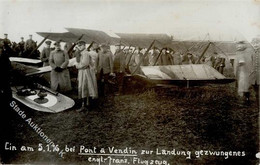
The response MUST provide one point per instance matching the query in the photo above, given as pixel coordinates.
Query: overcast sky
(223, 20)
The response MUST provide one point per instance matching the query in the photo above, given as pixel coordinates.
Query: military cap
(22, 38)
(5, 34)
(48, 42)
(81, 42)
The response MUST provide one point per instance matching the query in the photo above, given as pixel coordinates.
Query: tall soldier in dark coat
(119, 67)
(165, 57)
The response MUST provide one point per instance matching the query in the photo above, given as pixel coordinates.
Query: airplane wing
(144, 40)
(183, 75)
(64, 37)
(95, 35)
(25, 60)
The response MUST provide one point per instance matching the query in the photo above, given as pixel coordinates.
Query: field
(210, 118)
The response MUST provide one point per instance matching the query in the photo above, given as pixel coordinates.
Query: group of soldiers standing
(23, 48)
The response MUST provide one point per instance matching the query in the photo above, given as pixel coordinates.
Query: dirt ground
(210, 118)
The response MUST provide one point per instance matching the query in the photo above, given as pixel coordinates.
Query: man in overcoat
(104, 65)
(60, 76)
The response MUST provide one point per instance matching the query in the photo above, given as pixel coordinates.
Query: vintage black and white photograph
(130, 82)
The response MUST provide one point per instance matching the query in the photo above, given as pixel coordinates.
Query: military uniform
(255, 74)
(60, 79)
(119, 68)
(242, 68)
(45, 54)
(104, 65)
(21, 45)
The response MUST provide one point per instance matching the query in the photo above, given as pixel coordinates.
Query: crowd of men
(96, 64)
(23, 48)
(104, 64)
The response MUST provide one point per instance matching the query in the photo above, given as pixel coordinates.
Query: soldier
(153, 56)
(119, 67)
(213, 59)
(104, 65)
(21, 45)
(188, 59)
(7, 41)
(93, 50)
(135, 60)
(29, 46)
(128, 57)
(177, 59)
(60, 77)
(242, 69)
(165, 57)
(45, 54)
(255, 73)
(87, 82)
(67, 46)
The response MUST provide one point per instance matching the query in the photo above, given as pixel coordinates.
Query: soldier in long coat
(119, 67)
(165, 57)
(105, 67)
(242, 67)
(255, 72)
(60, 77)
(87, 82)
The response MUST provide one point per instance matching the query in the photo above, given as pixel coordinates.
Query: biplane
(170, 75)
(179, 75)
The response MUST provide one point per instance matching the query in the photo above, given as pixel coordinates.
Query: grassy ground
(198, 118)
